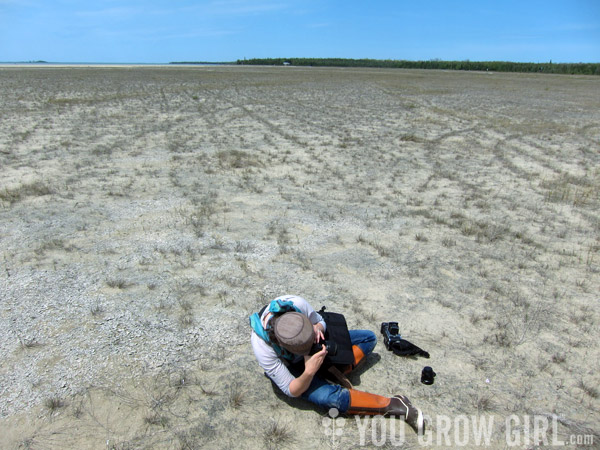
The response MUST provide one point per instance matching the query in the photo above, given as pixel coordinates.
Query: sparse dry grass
(146, 213)
(277, 435)
(53, 404)
(32, 189)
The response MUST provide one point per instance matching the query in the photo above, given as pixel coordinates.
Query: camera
(391, 334)
(331, 347)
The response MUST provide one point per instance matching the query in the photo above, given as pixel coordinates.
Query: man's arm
(306, 309)
(312, 364)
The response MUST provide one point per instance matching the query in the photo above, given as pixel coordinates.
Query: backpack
(337, 331)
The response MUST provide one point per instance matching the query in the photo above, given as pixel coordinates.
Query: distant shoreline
(50, 63)
(90, 65)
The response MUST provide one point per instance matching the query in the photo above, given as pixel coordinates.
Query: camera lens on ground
(427, 375)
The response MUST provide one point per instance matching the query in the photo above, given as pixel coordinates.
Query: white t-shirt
(268, 359)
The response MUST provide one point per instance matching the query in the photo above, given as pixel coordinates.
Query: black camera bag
(337, 331)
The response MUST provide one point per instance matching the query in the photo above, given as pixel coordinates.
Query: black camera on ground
(391, 334)
(331, 347)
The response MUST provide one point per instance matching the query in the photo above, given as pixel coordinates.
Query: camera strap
(402, 347)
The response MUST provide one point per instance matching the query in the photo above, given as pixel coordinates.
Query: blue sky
(227, 30)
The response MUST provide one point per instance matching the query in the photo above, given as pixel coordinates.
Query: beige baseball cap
(294, 332)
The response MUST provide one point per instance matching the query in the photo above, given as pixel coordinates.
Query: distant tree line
(496, 66)
(207, 63)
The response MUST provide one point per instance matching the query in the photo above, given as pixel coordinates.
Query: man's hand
(319, 336)
(314, 362)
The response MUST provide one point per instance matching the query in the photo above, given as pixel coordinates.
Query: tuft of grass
(19, 193)
(157, 420)
(186, 319)
(236, 159)
(117, 283)
(53, 404)
(410, 138)
(96, 309)
(236, 396)
(448, 242)
(303, 261)
(592, 391)
(52, 245)
(581, 284)
(243, 247)
(485, 403)
(420, 237)
(380, 248)
(468, 229)
(499, 338)
(27, 344)
(570, 189)
(276, 436)
(361, 239)
(204, 208)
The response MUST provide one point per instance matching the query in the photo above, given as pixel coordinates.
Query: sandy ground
(146, 212)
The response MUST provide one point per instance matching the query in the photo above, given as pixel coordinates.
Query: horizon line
(41, 62)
